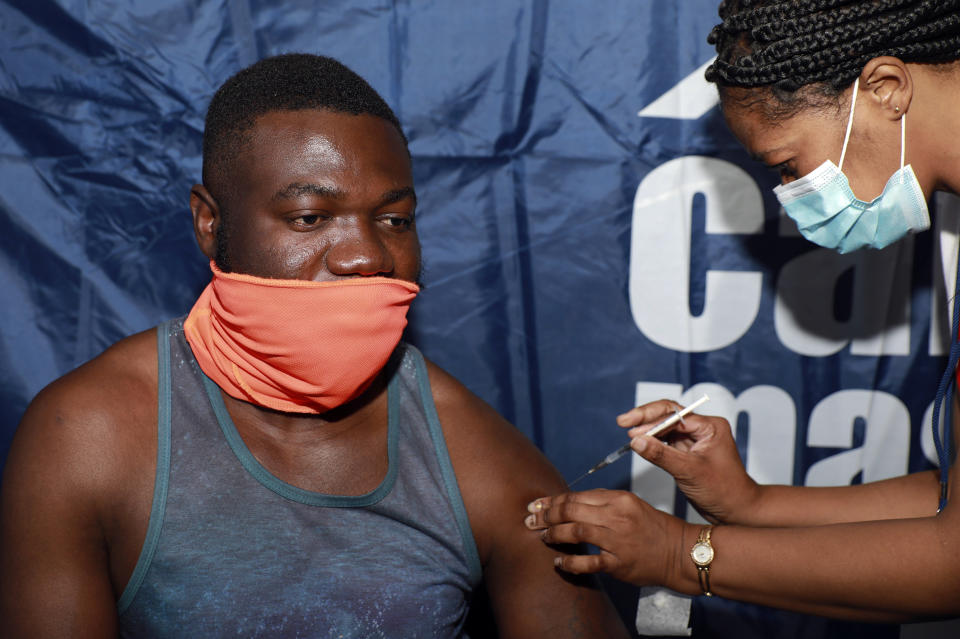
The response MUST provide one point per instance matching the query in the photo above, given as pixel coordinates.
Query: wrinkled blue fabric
(527, 150)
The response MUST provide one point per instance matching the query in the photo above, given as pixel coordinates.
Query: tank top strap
(161, 480)
(415, 387)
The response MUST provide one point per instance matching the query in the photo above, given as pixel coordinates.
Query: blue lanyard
(945, 391)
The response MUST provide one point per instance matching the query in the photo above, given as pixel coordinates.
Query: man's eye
(398, 222)
(310, 219)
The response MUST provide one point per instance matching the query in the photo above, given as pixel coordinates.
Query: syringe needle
(586, 474)
(609, 459)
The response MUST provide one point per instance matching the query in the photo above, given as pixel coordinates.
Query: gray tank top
(232, 550)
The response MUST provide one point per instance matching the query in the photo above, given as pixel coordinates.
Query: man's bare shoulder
(107, 387)
(498, 468)
(95, 414)
(494, 443)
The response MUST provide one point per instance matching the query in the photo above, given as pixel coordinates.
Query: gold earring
(896, 109)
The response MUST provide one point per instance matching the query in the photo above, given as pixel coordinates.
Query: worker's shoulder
(96, 413)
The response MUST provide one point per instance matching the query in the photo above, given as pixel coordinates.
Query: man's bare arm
(499, 472)
(53, 575)
(74, 484)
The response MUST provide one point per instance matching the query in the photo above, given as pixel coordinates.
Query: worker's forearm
(884, 571)
(914, 495)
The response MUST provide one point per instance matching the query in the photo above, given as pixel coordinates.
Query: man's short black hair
(288, 82)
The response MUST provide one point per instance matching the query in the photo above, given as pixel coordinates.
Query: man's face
(320, 195)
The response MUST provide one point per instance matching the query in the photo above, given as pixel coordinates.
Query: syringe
(653, 432)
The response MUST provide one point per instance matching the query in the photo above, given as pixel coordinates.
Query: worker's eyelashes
(784, 170)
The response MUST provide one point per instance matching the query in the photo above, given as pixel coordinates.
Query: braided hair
(805, 51)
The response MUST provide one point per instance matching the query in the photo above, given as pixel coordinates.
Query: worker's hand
(701, 455)
(638, 544)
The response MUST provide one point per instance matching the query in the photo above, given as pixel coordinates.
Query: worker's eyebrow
(297, 189)
(761, 156)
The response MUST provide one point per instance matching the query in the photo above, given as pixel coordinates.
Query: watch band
(703, 554)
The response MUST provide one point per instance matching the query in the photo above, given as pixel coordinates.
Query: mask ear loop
(846, 138)
(903, 138)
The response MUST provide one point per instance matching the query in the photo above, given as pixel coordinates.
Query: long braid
(889, 29)
(772, 30)
(784, 12)
(842, 31)
(802, 61)
(789, 44)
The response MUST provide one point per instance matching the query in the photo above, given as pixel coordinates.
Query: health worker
(857, 105)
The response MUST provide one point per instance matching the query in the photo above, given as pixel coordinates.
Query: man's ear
(888, 85)
(206, 219)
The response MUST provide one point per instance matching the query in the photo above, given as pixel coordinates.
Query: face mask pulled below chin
(828, 213)
(294, 345)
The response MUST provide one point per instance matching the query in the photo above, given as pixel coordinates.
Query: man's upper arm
(500, 471)
(532, 599)
(54, 577)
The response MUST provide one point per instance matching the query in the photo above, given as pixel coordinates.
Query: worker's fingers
(577, 532)
(673, 460)
(633, 537)
(583, 564)
(648, 413)
(566, 507)
(596, 497)
(684, 434)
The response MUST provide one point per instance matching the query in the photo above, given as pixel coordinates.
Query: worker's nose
(359, 250)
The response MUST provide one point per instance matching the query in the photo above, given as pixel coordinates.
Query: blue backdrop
(593, 235)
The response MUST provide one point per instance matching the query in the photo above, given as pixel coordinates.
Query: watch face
(702, 554)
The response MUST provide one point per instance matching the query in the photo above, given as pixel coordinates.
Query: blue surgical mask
(829, 214)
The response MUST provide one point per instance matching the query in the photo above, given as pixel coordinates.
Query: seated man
(279, 463)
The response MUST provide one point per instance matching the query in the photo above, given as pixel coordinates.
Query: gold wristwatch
(702, 555)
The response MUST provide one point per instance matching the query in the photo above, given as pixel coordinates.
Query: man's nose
(358, 250)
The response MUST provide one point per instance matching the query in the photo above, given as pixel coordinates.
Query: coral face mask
(294, 345)
(829, 214)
